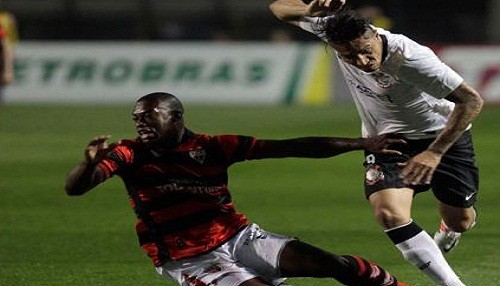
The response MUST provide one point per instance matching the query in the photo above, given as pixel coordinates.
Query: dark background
(432, 21)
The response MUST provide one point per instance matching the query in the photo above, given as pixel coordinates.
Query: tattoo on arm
(468, 104)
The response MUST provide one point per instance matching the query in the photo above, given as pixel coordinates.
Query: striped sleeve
(236, 148)
(120, 156)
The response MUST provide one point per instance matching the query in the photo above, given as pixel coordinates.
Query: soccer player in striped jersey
(401, 87)
(177, 180)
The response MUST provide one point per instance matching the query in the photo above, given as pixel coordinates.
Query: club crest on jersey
(384, 80)
(373, 175)
(198, 154)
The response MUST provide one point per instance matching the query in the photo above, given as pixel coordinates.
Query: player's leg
(454, 222)
(299, 259)
(455, 185)
(457, 219)
(392, 209)
(274, 257)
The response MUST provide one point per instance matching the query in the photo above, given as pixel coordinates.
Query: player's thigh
(217, 267)
(300, 259)
(207, 273)
(260, 251)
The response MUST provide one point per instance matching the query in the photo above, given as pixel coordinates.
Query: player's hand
(382, 143)
(419, 169)
(98, 148)
(320, 8)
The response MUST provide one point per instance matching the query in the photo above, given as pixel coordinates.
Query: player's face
(157, 122)
(364, 52)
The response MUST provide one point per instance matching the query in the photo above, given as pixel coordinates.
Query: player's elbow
(73, 190)
(474, 104)
(467, 99)
(478, 102)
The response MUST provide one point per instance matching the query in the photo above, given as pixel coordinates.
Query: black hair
(163, 97)
(158, 96)
(345, 26)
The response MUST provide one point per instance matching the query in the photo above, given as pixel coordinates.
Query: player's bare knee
(389, 218)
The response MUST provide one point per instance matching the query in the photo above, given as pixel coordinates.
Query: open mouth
(147, 134)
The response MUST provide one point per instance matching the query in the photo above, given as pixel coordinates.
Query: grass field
(47, 238)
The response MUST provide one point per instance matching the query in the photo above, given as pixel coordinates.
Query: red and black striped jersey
(180, 195)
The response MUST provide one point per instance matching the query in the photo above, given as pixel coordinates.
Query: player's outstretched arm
(291, 11)
(85, 176)
(323, 147)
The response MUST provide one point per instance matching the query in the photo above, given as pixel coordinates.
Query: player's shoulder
(404, 51)
(395, 41)
(204, 137)
(401, 43)
(213, 139)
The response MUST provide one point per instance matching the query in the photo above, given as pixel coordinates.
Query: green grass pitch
(48, 238)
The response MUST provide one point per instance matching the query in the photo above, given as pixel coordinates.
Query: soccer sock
(367, 273)
(419, 249)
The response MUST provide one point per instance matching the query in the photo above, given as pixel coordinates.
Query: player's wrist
(435, 151)
(89, 163)
(364, 143)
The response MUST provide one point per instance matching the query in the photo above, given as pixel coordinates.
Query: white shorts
(253, 252)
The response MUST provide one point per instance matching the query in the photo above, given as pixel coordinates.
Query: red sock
(370, 274)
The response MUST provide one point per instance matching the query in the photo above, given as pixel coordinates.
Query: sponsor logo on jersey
(363, 89)
(213, 269)
(176, 187)
(198, 154)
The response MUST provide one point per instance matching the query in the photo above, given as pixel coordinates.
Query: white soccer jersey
(406, 95)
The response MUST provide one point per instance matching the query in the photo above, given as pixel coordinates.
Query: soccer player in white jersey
(402, 88)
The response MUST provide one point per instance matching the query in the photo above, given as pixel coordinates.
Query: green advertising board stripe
(113, 72)
(297, 71)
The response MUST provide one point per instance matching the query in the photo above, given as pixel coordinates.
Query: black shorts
(455, 181)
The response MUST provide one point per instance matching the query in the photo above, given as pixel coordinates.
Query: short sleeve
(422, 68)
(314, 25)
(236, 148)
